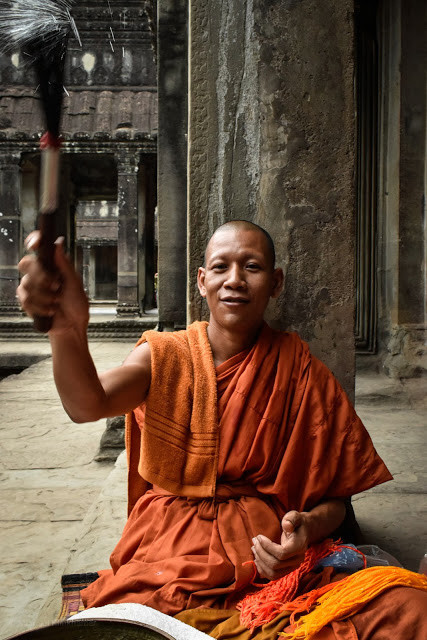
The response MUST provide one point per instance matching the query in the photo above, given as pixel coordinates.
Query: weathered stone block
(112, 440)
(271, 139)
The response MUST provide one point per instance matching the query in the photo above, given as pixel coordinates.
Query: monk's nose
(235, 277)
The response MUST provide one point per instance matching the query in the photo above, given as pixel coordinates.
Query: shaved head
(246, 225)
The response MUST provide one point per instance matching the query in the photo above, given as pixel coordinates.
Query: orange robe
(222, 455)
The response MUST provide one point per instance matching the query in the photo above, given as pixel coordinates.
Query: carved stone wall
(109, 108)
(271, 139)
(116, 49)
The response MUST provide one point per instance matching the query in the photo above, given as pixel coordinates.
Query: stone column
(271, 139)
(88, 268)
(172, 159)
(402, 189)
(127, 241)
(142, 232)
(10, 230)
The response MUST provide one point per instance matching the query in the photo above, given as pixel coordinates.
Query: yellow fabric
(350, 595)
(224, 624)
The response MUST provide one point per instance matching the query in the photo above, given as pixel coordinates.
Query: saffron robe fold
(219, 456)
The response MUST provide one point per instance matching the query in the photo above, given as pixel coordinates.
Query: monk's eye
(220, 266)
(253, 266)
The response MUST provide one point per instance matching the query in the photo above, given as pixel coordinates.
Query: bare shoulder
(126, 386)
(141, 356)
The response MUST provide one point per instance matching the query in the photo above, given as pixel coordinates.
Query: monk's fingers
(278, 556)
(30, 263)
(25, 264)
(38, 278)
(295, 532)
(264, 571)
(291, 521)
(276, 560)
(32, 241)
(265, 549)
(63, 262)
(272, 569)
(37, 297)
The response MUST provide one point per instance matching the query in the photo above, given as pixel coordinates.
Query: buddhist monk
(242, 447)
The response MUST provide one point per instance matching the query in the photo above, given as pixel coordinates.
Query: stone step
(117, 328)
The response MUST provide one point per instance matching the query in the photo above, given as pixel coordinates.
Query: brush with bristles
(40, 28)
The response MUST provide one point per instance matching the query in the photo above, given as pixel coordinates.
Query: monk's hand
(274, 560)
(59, 296)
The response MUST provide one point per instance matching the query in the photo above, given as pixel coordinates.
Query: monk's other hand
(60, 295)
(274, 560)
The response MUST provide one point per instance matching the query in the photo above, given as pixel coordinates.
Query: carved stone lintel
(124, 309)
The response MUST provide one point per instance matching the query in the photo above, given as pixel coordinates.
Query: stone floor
(62, 513)
(48, 484)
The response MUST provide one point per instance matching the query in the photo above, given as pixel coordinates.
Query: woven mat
(72, 584)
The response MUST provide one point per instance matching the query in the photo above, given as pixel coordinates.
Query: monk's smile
(235, 301)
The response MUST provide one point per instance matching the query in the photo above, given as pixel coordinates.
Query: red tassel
(261, 607)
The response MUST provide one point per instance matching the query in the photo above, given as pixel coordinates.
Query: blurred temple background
(307, 118)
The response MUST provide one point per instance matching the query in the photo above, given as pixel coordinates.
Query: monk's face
(238, 278)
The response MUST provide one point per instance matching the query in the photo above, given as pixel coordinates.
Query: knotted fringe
(261, 607)
(346, 597)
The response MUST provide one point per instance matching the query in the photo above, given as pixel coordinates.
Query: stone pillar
(412, 160)
(271, 139)
(127, 241)
(151, 233)
(88, 268)
(142, 233)
(85, 268)
(402, 189)
(10, 230)
(172, 158)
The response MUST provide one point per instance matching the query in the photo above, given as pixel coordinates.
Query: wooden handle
(46, 253)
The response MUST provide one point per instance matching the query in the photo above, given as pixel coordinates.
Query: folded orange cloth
(177, 447)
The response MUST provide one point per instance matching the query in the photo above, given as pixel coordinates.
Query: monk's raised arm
(86, 396)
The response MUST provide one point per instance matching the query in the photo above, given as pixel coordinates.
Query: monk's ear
(278, 278)
(201, 281)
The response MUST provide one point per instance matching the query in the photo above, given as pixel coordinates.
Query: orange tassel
(261, 607)
(348, 596)
(307, 600)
